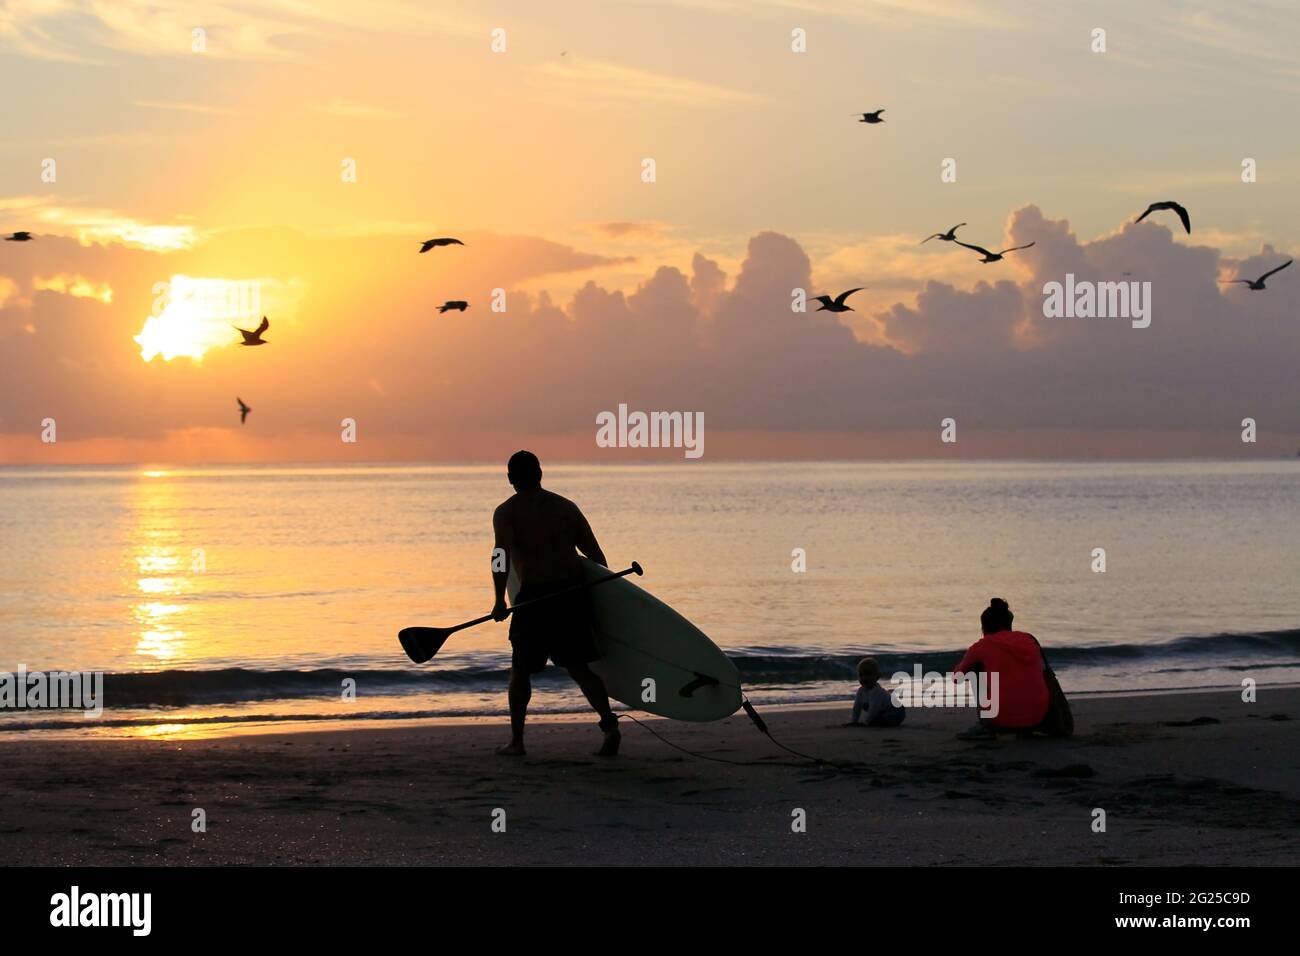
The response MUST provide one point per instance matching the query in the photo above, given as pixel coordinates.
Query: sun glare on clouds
(193, 315)
(74, 285)
(94, 226)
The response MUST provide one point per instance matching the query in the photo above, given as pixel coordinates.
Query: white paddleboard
(641, 638)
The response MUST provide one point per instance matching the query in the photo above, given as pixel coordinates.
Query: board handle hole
(701, 680)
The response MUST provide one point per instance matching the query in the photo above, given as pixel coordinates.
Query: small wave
(759, 668)
(177, 688)
(782, 666)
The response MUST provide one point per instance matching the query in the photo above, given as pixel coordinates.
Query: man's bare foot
(513, 749)
(609, 748)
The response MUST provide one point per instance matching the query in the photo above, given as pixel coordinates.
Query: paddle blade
(421, 643)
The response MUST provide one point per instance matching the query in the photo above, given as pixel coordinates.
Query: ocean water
(222, 597)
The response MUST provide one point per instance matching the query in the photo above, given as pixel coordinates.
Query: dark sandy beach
(1184, 779)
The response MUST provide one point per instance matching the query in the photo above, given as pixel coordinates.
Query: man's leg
(593, 688)
(520, 693)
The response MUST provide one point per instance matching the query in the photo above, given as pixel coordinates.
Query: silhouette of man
(541, 534)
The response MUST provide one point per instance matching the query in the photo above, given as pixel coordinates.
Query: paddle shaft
(634, 569)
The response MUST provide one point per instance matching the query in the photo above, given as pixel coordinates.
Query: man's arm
(586, 539)
(503, 537)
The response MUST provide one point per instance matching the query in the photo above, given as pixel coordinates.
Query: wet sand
(1188, 778)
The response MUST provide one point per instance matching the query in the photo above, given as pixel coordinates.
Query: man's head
(524, 471)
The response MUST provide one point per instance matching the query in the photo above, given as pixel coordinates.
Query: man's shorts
(560, 628)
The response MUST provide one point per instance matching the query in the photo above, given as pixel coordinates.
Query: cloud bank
(367, 344)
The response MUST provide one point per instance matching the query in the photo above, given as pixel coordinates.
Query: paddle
(421, 643)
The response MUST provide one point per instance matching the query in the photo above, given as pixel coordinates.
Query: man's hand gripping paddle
(421, 643)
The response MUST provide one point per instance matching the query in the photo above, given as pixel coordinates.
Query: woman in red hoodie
(1017, 698)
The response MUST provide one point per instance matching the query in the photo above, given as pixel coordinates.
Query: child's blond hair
(868, 670)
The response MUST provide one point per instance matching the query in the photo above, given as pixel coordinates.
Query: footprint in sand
(1194, 722)
(1075, 771)
(1012, 765)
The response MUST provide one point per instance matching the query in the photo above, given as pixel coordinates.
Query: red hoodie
(1022, 692)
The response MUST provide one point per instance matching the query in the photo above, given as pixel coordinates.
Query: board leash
(840, 766)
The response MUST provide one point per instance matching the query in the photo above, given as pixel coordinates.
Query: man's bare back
(542, 533)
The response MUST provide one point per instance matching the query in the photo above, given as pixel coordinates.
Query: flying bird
(243, 410)
(19, 237)
(836, 304)
(431, 243)
(990, 256)
(458, 304)
(949, 236)
(254, 337)
(1258, 284)
(871, 117)
(1169, 204)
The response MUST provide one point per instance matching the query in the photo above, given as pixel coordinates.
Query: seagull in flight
(870, 117)
(949, 236)
(458, 304)
(990, 256)
(254, 337)
(836, 304)
(19, 237)
(1169, 204)
(431, 243)
(243, 410)
(1258, 284)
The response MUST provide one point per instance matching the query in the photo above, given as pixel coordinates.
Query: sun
(193, 315)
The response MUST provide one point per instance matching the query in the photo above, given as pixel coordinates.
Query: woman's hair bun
(996, 617)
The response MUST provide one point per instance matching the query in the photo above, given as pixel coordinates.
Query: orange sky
(142, 153)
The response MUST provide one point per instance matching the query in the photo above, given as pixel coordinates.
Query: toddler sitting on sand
(880, 709)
